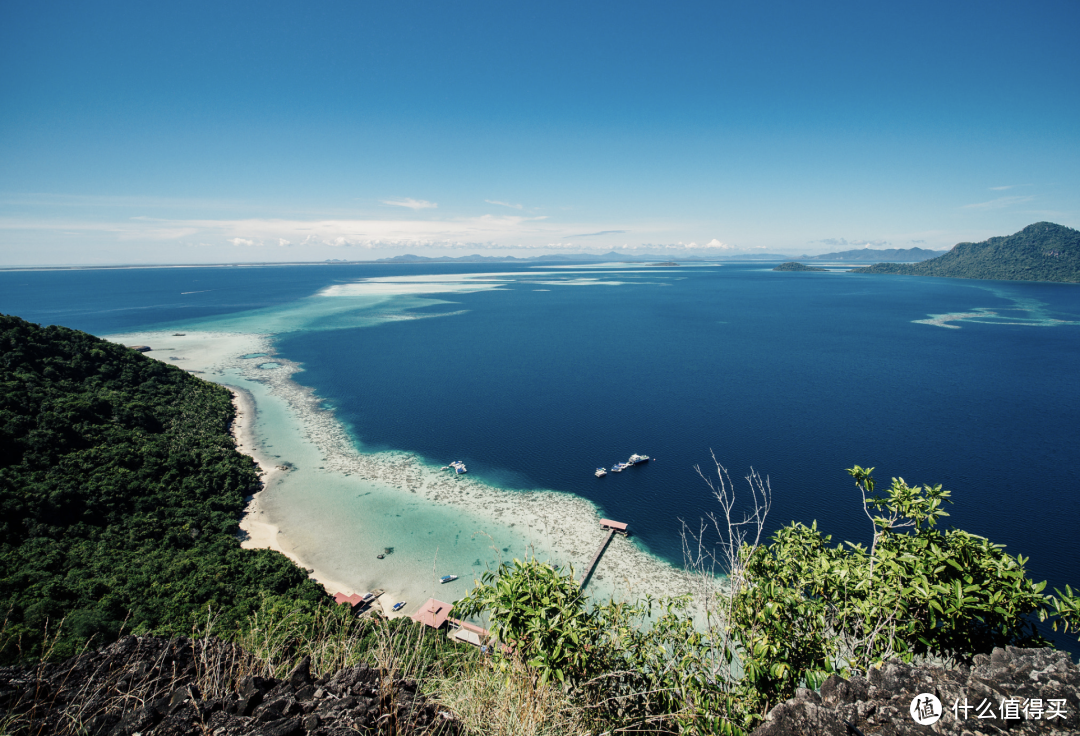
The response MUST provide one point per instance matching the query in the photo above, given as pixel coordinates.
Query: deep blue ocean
(798, 375)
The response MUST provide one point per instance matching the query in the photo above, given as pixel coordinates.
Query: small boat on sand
(397, 606)
(447, 578)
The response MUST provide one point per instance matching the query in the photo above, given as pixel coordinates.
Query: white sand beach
(332, 509)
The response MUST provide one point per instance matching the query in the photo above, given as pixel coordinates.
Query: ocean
(536, 376)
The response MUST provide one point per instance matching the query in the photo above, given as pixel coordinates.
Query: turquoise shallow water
(535, 383)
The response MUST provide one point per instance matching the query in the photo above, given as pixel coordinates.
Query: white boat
(398, 606)
(600, 473)
(447, 578)
(619, 467)
(458, 466)
(635, 459)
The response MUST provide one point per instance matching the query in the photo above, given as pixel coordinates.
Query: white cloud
(242, 241)
(412, 204)
(504, 204)
(841, 242)
(999, 203)
(1002, 189)
(283, 242)
(717, 245)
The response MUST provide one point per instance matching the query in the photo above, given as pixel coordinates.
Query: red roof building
(352, 600)
(433, 613)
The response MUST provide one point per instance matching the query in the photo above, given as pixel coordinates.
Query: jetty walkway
(612, 528)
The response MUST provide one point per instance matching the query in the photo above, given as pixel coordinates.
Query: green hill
(1040, 252)
(796, 266)
(120, 491)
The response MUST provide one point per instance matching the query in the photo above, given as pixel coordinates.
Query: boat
(447, 578)
(635, 459)
(619, 467)
(397, 606)
(600, 473)
(458, 467)
(380, 557)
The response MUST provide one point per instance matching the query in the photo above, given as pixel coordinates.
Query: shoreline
(551, 525)
(257, 531)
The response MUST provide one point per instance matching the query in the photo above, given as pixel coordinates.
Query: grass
(509, 701)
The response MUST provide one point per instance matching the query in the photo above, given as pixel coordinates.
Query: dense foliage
(1040, 252)
(812, 608)
(120, 490)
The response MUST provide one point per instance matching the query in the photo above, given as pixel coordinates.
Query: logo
(925, 709)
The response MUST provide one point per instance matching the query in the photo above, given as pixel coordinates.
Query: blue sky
(289, 131)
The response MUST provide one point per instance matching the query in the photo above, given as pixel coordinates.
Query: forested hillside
(1040, 252)
(120, 491)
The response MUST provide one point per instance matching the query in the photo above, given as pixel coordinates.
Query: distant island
(872, 254)
(796, 266)
(611, 256)
(1044, 251)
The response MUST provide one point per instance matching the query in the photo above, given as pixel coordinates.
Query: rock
(1044, 680)
(300, 676)
(150, 686)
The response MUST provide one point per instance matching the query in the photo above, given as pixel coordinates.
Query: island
(1044, 251)
(796, 266)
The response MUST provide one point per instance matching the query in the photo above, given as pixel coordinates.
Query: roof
(470, 637)
(433, 613)
(608, 523)
(352, 600)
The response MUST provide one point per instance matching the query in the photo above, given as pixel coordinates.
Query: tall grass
(510, 701)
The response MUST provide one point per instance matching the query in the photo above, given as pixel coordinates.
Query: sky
(135, 132)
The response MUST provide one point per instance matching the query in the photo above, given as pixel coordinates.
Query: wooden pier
(612, 528)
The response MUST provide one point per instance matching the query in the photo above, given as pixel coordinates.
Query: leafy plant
(809, 608)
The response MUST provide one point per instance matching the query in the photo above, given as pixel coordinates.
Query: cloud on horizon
(412, 204)
(150, 239)
(840, 242)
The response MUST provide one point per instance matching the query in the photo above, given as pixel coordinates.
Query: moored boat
(619, 467)
(636, 459)
(397, 606)
(600, 473)
(447, 578)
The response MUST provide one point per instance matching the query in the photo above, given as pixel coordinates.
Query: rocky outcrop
(1013, 691)
(153, 686)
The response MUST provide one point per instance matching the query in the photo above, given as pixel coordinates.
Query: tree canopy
(120, 492)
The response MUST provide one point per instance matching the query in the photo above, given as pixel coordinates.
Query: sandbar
(331, 506)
